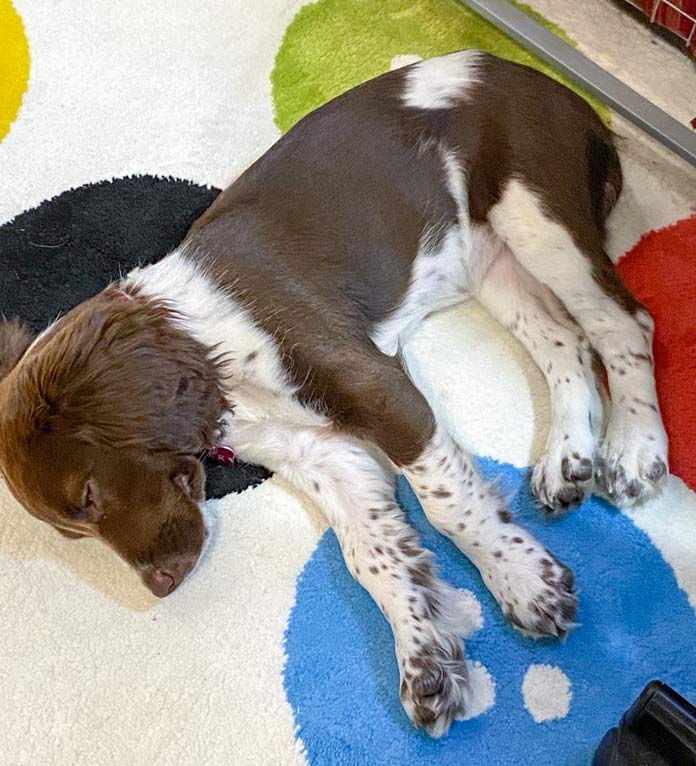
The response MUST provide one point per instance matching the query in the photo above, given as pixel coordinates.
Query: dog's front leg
(534, 589)
(383, 553)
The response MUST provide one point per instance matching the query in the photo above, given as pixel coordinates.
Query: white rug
(95, 671)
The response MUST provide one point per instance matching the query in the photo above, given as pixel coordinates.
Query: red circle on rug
(661, 271)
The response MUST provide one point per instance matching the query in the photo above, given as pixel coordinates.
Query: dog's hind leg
(562, 476)
(570, 259)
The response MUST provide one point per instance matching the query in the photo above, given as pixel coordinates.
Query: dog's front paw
(434, 685)
(535, 591)
(632, 463)
(562, 478)
(550, 611)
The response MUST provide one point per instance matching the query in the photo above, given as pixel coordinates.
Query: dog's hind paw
(563, 480)
(632, 473)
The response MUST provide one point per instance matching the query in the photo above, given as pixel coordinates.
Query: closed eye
(75, 513)
(88, 496)
(87, 510)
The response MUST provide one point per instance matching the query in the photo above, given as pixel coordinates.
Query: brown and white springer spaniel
(276, 328)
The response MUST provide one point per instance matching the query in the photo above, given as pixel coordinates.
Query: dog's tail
(605, 176)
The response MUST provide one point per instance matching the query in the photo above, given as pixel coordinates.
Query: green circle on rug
(333, 45)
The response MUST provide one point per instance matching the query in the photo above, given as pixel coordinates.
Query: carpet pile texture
(119, 123)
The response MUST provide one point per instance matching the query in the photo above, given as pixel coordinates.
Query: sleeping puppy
(276, 328)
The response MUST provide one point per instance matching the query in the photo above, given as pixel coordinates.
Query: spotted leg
(632, 460)
(533, 588)
(562, 476)
(428, 618)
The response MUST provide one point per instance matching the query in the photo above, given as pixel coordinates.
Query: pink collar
(222, 454)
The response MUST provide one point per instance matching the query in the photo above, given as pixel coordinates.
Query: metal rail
(566, 59)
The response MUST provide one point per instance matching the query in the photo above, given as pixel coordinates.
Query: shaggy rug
(118, 124)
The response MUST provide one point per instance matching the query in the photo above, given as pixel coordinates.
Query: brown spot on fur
(421, 574)
(408, 547)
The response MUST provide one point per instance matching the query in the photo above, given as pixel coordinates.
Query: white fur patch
(258, 387)
(404, 60)
(438, 279)
(526, 308)
(442, 82)
(446, 271)
(517, 569)
(546, 692)
(634, 451)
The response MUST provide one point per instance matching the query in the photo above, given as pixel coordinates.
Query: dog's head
(101, 421)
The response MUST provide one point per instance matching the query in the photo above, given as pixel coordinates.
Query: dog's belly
(440, 278)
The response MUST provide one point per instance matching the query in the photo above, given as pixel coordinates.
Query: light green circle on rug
(333, 45)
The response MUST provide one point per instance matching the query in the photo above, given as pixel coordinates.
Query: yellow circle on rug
(14, 65)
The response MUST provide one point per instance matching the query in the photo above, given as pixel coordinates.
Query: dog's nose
(166, 579)
(162, 582)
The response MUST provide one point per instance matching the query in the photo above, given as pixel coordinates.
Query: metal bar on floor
(566, 59)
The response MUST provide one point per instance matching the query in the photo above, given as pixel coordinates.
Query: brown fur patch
(15, 338)
(112, 402)
(116, 373)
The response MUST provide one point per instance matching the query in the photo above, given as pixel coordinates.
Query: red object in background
(661, 271)
(671, 18)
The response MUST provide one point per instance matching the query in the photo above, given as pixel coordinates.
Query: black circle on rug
(72, 246)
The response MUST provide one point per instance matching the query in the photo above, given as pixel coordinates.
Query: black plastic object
(659, 729)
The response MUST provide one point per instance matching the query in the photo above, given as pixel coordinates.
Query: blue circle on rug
(342, 681)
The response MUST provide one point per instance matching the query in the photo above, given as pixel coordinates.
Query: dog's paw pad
(562, 481)
(535, 591)
(632, 472)
(434, 688)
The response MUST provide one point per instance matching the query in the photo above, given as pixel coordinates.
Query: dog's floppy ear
(15, 339)
(121, 373)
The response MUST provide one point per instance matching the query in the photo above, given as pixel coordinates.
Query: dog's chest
(265, 420)
(265, 409)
